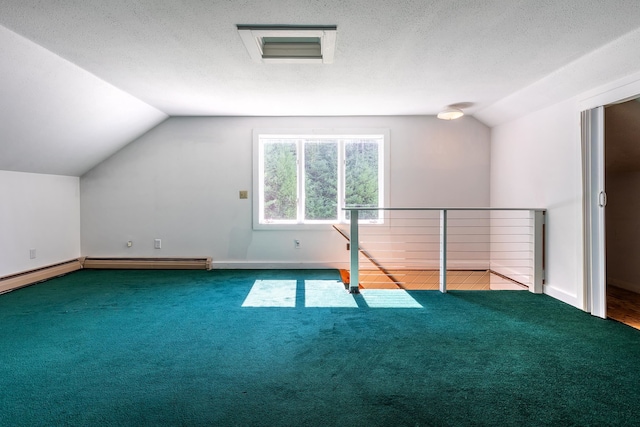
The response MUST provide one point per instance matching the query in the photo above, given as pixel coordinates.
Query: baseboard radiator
(30, 277)
(149, 263)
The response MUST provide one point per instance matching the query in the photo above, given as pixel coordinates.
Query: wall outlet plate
(157, 243)
(244, 194)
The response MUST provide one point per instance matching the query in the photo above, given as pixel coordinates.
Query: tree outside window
(311, 179)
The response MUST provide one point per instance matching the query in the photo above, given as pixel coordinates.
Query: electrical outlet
(296, 243)
(129, 243)
(32, 254)
(244, 194)
(157, 243)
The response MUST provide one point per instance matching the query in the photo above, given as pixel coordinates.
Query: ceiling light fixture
(289, 44)
(451, 113)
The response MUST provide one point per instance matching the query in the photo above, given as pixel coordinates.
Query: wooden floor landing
(623, 306)
(421, 280)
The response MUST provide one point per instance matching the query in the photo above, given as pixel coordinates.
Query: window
(309, 178)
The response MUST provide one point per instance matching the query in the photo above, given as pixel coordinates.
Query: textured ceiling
(79, 79)
(185, 57)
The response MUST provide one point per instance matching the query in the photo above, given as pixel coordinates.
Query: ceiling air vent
(289, 44)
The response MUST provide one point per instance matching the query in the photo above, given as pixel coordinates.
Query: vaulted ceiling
(80, 79)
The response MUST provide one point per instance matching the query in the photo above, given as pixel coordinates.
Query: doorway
(611, 159)
(622, 221)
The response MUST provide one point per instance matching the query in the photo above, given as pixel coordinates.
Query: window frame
(383, 181)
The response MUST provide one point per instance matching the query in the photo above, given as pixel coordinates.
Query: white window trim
(384, 183)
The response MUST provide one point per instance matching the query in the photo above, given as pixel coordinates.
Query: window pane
(280, 181)
(361, 176)
(321, 180)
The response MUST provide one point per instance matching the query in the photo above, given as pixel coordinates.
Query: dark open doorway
(622, 218)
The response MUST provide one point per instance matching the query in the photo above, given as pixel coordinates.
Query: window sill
(297, 227)
(316, 227)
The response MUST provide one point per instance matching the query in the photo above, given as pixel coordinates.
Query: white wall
(536, 155)
(39, 212)
(536, 163)
(536, 160)
(180, 183)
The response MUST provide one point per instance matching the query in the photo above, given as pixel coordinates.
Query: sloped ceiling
(185, 57)
(57, 118)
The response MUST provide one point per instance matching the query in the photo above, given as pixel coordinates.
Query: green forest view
(320, 172)
(361, 180)
(280, 181)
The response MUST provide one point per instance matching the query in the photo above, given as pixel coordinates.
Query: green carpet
(177, 348)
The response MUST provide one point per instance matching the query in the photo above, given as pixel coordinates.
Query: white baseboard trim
(271, 265)
(466, 265)
(311, 265)
(561, 295)
(523, 275)
(431, 265)
(31, 277)
(629, 286)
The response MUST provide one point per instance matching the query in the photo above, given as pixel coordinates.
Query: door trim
(592, 122)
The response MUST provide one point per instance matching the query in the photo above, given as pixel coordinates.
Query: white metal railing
(505, 241)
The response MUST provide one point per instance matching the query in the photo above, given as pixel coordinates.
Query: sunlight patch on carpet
(272, 293)
(327, 293)
(389, 298)
(322, 294)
